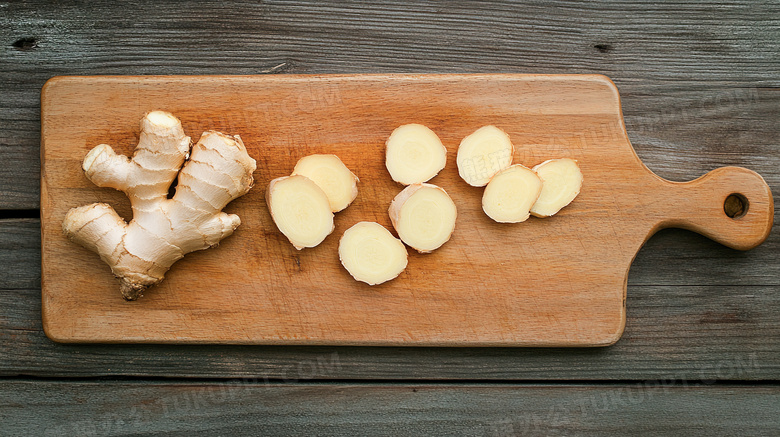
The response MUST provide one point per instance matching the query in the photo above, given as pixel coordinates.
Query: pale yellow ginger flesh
(371, 254)
(561, 183)
(162, 230)
(332, 176)
(300, 210)
(510, 194)
(483, 154)
(424, 216)
(414, 154)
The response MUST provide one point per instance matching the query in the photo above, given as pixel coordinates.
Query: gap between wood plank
(280, 382)
(7, 214)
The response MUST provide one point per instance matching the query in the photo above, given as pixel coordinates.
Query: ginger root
(414, 154)
(424, 216)
(300, 209)
(561, 183)
(484, 153)
(371, 254)
(162, 230)
(511, 193)
(332, 176)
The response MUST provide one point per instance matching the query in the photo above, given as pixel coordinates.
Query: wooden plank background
(239, 408)
(700, 88)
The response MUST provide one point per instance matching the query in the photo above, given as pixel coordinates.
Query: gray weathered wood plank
(693, 324)
(241, 408)
(698, 82)
(20, 254)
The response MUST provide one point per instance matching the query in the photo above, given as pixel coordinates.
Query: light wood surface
(547, 282)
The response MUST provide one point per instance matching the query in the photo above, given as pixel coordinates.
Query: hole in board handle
(735, 205)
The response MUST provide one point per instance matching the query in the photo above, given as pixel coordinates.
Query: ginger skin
(162, 230)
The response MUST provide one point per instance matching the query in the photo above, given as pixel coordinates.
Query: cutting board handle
(731, 205)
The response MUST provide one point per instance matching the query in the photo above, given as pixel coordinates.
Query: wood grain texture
(553, 282)
(695, 333)
(725, 330)
(682, 68)
(235, 408)
(699, 83)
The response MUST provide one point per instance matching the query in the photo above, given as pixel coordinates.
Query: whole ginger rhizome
(216, 170)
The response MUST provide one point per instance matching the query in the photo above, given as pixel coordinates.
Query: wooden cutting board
(559, 281)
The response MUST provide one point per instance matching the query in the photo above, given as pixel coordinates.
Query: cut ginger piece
(371, 254)
(332, 176)
(561, 183)
(300, 210)
(414, 154)
(483, 154)
(511, 193)
(424, 216)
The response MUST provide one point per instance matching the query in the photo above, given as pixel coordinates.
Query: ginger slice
(371, 254)
(424, 216)
(300, 210)
(162, 230)
(414, 154)
(561, 183)
(483, 154)
(511, 193)
(332, 176)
